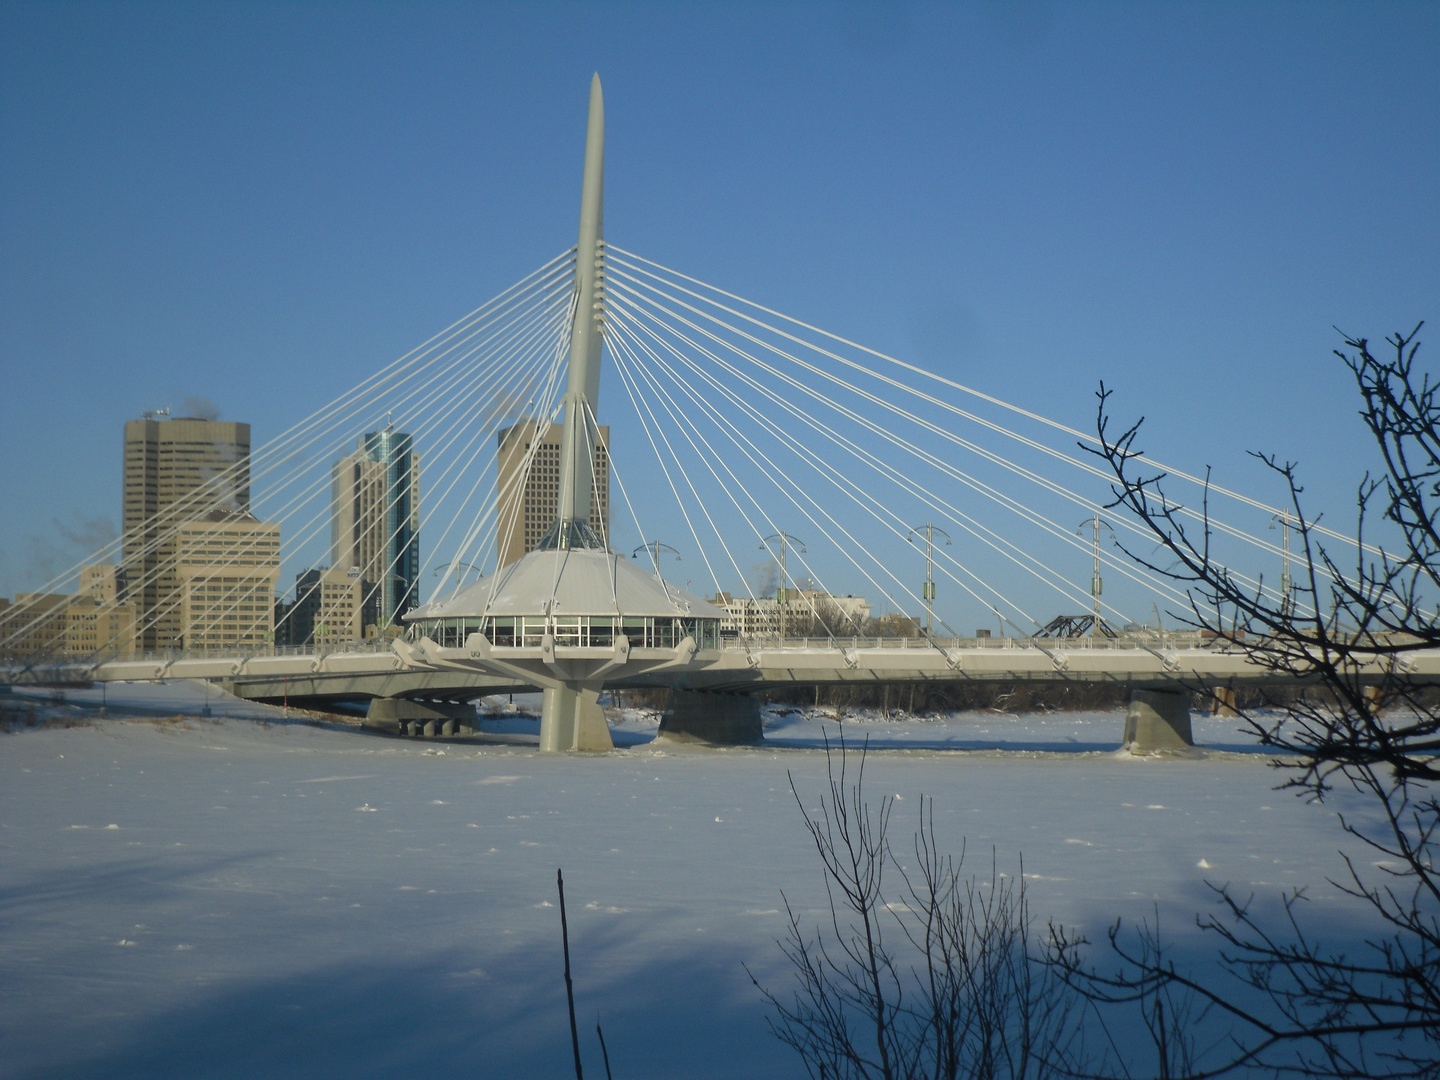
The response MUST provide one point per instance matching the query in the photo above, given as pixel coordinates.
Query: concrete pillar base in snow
(398, 715)
(1224, 701)
(572, 719)
(1157, 720)
(721, 719)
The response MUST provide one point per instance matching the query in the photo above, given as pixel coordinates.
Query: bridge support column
(1157, 720)
(719, 719)
(1224, 702)
(571, 719)
(392, 714)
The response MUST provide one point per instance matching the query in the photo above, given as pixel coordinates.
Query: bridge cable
(929, 426)
(742, 441)
(884, 433)
(217, 482)
(828, 432)
(151, 615)
(677, 413)
(611, 250)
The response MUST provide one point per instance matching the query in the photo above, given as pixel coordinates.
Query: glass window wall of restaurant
(570, 631)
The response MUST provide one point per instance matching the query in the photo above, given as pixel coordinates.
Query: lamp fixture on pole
(1095, 582)
(1287, 586)
(654, 547)
(784, 539)
(930, 532)
(459, 565)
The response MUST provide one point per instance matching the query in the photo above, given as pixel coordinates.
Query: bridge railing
(1193, 639)
(1176, 640)
(330, 649)
(166, 655)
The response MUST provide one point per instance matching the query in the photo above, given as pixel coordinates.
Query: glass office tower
(375, 519)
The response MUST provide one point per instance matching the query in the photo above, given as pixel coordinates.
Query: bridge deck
(738, 666)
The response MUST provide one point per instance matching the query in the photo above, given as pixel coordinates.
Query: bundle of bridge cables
(731, 427)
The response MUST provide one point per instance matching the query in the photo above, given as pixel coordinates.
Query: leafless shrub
(926, 973)
(1352, 627)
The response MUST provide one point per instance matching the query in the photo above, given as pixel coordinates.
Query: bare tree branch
(1318, 1012)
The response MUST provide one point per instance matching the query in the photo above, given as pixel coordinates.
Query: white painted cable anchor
(1169, 663)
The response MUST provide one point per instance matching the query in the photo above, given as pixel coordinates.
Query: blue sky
(259, 204)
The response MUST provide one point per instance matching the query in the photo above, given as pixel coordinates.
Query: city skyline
(1181, 201)
(196, 571)
(634, 595)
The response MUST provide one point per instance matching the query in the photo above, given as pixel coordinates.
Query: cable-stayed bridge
(773, 457)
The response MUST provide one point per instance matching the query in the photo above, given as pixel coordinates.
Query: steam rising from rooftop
(199, 408)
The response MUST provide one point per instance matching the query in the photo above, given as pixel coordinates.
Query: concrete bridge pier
(718, 719)
(400, 716)
(1225, 702)
(571, 719)
(1158, 720)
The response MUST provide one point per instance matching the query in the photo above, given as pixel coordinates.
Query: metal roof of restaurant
(573, 581)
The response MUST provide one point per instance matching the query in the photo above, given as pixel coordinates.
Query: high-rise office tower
(175, 470)
(527, 510)
(332, 607)
(375, 520)
(227, 563)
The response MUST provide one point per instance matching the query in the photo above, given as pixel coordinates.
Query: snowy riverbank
(247, 897)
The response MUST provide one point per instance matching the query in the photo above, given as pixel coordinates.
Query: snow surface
(232, 897)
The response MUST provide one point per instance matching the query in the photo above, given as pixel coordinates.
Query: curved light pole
(784, 539)
(654, 547)
(1287, 586)
(930, 532)
(457, 563)
(1095, 583)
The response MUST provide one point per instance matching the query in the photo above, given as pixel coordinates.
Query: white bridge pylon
(559, 617)
(731, 423)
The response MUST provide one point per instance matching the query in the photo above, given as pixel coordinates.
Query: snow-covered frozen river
(239, 898)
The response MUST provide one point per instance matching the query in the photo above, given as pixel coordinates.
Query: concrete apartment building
(761, 616)
(227, 564)
(854, 611)
(99, 623)
(35, 624)
(92, 623)
(175, 470)
(527, 506)
(332, 606)
(185, 506)
(375, 525)
(747, 617)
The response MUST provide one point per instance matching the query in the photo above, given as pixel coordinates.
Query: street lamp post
(1095, 582)
(459, 566)
(1286, 585)
(930, 530)
(654, 547)
(783, 539)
